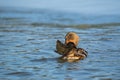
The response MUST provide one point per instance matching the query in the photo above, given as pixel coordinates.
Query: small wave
(75, 25)
(19, 73)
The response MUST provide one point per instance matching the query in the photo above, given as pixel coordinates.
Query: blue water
(28, 38)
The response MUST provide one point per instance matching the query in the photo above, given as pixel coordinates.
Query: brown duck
(69, 50)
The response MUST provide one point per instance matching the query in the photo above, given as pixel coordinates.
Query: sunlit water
(28, 39)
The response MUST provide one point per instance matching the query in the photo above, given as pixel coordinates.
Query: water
(28, 38)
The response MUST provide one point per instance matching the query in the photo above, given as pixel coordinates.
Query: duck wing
(81, 52)
(61, 48)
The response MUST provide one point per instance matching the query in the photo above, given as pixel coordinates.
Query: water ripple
(28, 39)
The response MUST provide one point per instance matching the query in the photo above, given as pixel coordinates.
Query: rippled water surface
(28, 38)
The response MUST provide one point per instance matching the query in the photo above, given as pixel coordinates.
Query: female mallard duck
(69, 50)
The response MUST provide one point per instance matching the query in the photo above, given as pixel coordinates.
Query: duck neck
(71, 45)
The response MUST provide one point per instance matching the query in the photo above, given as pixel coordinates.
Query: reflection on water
(27, 44)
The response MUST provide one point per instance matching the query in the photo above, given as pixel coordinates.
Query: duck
(69, 49)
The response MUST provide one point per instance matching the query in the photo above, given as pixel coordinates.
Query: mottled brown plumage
(69, 50)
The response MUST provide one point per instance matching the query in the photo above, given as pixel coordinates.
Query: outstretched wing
(61, 48)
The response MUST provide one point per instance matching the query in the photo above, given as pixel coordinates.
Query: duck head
(72, 37)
